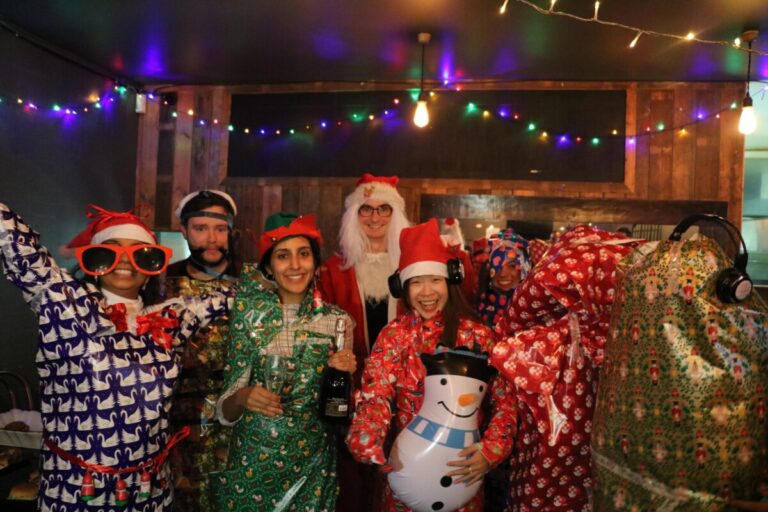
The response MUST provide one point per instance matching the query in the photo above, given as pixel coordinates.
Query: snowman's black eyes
(481, 389)
(443, 381)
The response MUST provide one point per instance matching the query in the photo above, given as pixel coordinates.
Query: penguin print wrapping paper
(393, 391)
(557, 325)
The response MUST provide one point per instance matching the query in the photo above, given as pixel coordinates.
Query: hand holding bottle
(343, 360)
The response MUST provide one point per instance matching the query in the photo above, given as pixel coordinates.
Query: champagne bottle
(335, 397)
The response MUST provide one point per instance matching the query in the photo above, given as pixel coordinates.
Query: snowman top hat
(460, 361)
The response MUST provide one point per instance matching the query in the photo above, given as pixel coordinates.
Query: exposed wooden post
(182, 150)
(146, 158)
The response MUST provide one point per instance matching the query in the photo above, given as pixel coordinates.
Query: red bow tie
(153, 323)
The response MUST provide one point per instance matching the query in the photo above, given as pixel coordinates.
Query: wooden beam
(566, 209)
(146, 158)
(182, 150)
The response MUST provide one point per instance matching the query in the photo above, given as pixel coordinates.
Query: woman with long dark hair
(428, 279)
(282, 455)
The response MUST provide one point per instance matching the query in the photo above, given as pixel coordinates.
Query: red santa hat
(422, 252)
(377, 188)
(107, 224)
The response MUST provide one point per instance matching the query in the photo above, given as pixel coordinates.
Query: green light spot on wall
(531, 127)
(595, 141)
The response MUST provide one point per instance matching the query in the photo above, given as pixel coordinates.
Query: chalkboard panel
(472, 135)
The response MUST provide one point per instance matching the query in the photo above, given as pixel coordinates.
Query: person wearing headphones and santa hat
(107, 360)
(207, 224)
(428, 278)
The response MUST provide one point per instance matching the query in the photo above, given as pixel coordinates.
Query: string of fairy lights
(636, 32)
(398, 110)
(375, 116)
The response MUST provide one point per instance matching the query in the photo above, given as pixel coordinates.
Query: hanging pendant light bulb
(748, 121)
(421, 115)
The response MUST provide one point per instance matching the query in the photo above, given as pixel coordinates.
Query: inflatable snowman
(447, 423)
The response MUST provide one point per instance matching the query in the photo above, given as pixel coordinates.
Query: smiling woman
(109, 318)
(438, 318)
(282, 456)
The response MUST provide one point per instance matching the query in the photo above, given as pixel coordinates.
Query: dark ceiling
(258, 42)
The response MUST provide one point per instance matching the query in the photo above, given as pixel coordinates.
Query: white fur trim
(424, 268)
(127, 231)
(377, 191)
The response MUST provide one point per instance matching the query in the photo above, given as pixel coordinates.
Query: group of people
(136, 356)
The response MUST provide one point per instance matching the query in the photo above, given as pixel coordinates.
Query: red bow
(116, 313)
(155, 323)
(152, 323)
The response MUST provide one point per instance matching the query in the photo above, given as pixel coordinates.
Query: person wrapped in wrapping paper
(680, 423)
(508, 264)
(107, 360)
(556, 329)
(282, 456)
(394, 375)
(207, 224)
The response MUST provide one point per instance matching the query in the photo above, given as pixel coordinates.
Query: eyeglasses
(100, 259)
(366, 211)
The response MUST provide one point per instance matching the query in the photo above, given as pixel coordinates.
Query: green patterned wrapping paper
(680, 420)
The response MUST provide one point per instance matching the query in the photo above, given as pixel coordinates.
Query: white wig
(353, 243)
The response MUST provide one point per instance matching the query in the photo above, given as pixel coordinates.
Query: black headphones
(455, 276)
(733, 284)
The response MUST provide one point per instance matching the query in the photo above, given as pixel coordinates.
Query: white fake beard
(372, 274)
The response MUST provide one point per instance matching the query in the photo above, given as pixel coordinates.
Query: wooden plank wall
(703, 162)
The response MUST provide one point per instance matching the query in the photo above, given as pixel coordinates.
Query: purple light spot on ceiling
(504, 61)
(703, 64)
(329, 46)
(152, 63)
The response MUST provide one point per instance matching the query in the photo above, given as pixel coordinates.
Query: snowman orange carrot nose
(467, 399)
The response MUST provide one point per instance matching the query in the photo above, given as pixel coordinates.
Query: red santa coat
(340, 287)
(395, 374)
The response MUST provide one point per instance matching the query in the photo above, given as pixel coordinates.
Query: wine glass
(275, 368)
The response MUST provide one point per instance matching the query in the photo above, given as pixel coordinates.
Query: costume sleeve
(238, 368)
(325, 284)
(197, 311)
(499, 436)
(65, 307)
(373, 413)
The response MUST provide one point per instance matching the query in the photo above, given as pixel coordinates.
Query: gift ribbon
(153, 323)
(152, 464)
(156, 324)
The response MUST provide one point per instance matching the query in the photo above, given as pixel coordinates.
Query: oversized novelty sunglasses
(100, 259)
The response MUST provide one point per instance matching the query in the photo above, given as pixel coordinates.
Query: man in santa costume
(355, 279)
